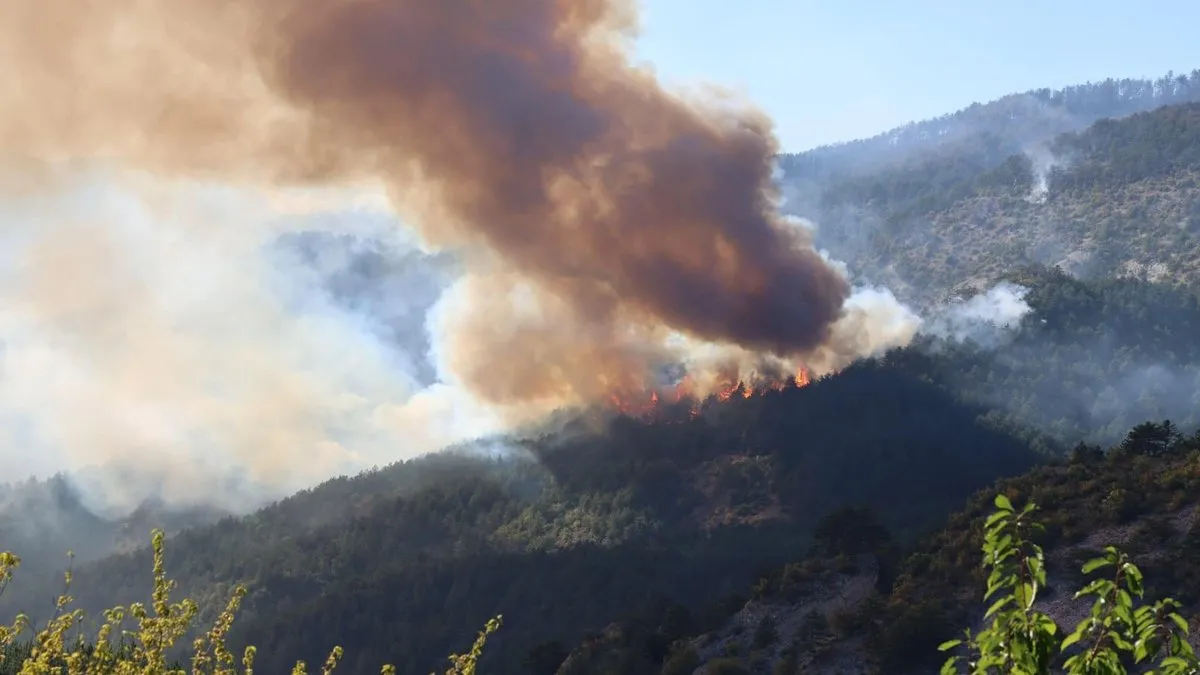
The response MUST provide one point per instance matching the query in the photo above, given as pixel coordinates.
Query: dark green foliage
(1114, 152)
(682, 662)
(1151, 440)
(932, 595)
(596, 528)
(727, 666)
(1090, 361)
(910, 632)
(545, 658)
(44, 519)
(1076, 500)
(934, 183)
(850, 531)
(765, 634)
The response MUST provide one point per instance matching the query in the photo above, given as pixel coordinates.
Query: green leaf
(1028, 594)
(996, 517)
(949, 644)
(1071, 639)
(1095, 564)
(1123, 613)
(1174, 662)
(1179, 621)
(1098, 587)
(1003, 503)
(1124, 599)
(998, 605)
(1037, 570)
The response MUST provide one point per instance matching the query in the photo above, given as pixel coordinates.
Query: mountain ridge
(567, 534)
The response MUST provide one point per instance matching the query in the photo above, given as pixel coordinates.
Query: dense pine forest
(570, 531)
(832, 527)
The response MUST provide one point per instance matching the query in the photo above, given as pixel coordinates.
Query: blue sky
(842, 69)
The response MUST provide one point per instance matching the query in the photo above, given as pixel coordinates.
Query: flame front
(650, 402)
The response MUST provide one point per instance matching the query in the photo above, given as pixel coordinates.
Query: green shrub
(1017, 639)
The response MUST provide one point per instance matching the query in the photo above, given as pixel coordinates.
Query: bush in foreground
(143, 651)
(1120, 634)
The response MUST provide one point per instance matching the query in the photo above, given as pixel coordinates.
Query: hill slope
(595, 525)
(567, 532)
(853, 606)
(995, 129)
(570, 531)
(1110, 196)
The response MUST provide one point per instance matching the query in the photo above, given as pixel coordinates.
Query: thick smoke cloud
(607, 227)
(179, 343)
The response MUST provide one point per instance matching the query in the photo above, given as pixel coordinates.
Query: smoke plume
(608, 227)
(985, 319)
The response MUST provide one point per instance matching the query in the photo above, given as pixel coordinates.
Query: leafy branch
(1021, 640)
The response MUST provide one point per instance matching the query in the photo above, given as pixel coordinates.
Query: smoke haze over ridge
(606, 227)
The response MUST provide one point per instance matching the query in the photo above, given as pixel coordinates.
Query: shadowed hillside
(853, 605)
(572, 530)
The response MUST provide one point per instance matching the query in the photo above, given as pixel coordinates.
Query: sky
(843, 69)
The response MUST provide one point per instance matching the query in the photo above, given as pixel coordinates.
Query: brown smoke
(514, 130)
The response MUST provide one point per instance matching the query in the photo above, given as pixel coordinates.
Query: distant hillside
(46, 519)
(1089, 361)
(1099, 179)
(1006, 125)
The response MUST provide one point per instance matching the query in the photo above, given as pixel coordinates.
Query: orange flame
(645, 404)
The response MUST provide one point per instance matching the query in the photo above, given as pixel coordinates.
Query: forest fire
(649, 403)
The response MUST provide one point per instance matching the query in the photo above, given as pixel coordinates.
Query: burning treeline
(609, 227)
(686, 393)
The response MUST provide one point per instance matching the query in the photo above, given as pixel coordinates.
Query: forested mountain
(1090, 360)
(993, 187)
(657, 544)
(566, 532)
(1007, 125)
(573, 530)
(853, 605)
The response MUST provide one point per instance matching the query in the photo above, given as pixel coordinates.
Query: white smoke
(219, 346)
(166, 337)
(1042, 162)
(986, 319)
